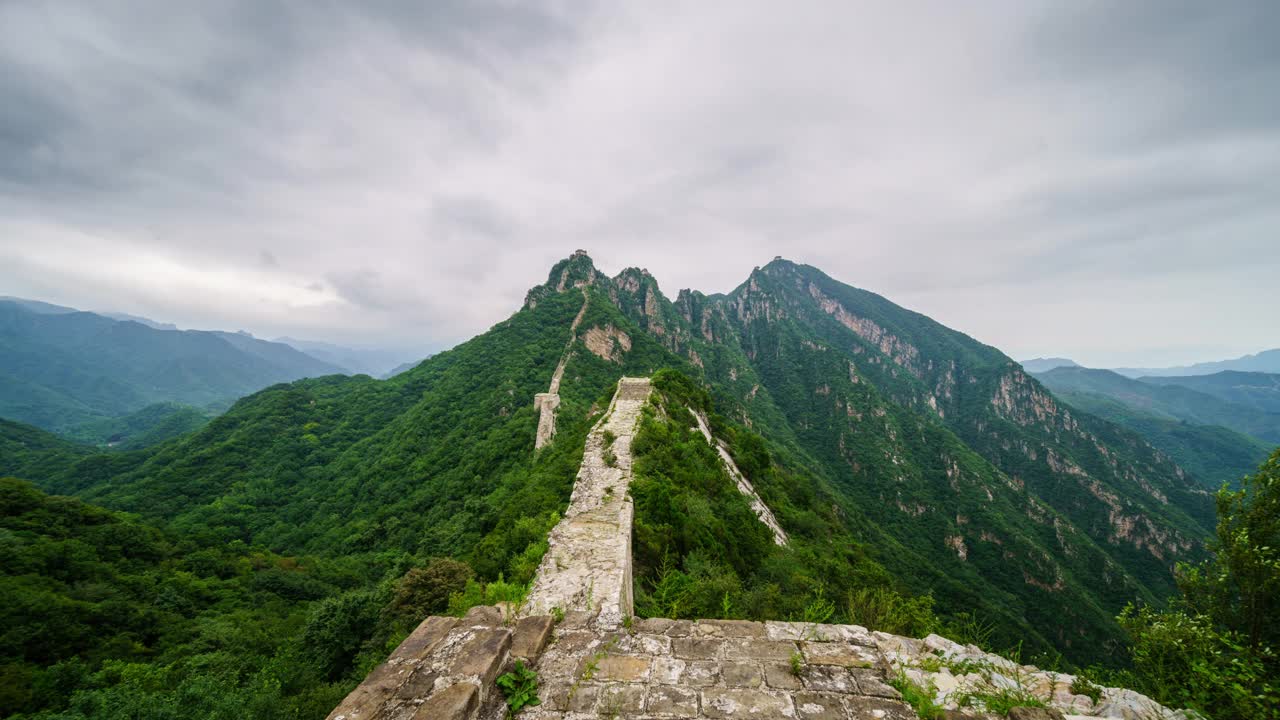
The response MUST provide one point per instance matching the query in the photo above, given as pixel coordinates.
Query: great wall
(592, 659)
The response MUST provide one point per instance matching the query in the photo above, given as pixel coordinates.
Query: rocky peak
(575, 271)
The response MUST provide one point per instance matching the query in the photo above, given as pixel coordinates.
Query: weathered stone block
(691, 648)
(482, 615)
(742, 703)
(780, 676)
(701, 673)
(670, 701)
(828, 678)
(653, 626)
(758, 649)
(839, 653)
(729, 628)
(667, 670)
(871, 682)
(482, 655)
(680, 628)
(741, 674)
(819, 706)
(423, 638)
(1034, 713)
(872, 708)
(418, 685)
(622, 668)
(621, 699)
(531, 636)
(455, 702)
(645, 644)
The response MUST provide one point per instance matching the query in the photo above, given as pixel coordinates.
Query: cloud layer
(1094, 180)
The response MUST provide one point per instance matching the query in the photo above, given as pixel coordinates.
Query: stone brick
(572, 641)
(569, 698)
(758, 649)
(700, 673)
(620, 699)
(645, 644)
(423, 638)
(689, 648)
(776, 630)
(671, 701)
(482, 655)
(729, 628)
(871, 708)
(818, 706)
(871, 682)
(828, 678)
(741, 674)
(839, 653)
(1034, 713)
(740, 703)
(655, 626)
(531, 636)
(456, 702)
(680, 628)
(622, 668)
(486, 615)
(667, 670)
(418, 685)
(779, 675)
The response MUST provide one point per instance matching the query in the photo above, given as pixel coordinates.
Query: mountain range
(876, 431)
(61, 368)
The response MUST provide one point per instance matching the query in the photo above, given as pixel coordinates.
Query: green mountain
(59, 370)
(1083, 386)
(1039, 365)
(1256, 390)
(912, 467)
(149, 426)
(1267, 361)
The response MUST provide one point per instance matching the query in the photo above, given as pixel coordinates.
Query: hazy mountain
(1082, 386)
(370, 361)
(1037, 365)
(1260, 391)
(59, 370)
(1267, 361)
(139, 319)
(878, 435)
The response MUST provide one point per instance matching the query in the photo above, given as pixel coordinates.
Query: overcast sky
(1095, 180)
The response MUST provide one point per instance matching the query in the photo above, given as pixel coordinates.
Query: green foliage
(426, 591)
(797, 663)
(519, 687)
(1215, 650)
(146, 427)
(59, 371)
(882, 608)
(1082, 685)
(920, 698)
(1001, 701)
(476, 593)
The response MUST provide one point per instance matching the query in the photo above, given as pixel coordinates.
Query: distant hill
(1253, 389)
(149, 426)
(1213, 439)
(369, 361)
(61, 368)
(1267, 361)
(1037, 365)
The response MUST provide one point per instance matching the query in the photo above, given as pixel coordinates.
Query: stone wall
(587, 565)
(761, 510)
(547, 402)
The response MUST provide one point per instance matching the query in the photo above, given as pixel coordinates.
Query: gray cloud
(1090, 179)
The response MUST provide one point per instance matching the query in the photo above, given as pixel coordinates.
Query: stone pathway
(547, 402)
(761, 510)
(587, 565)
